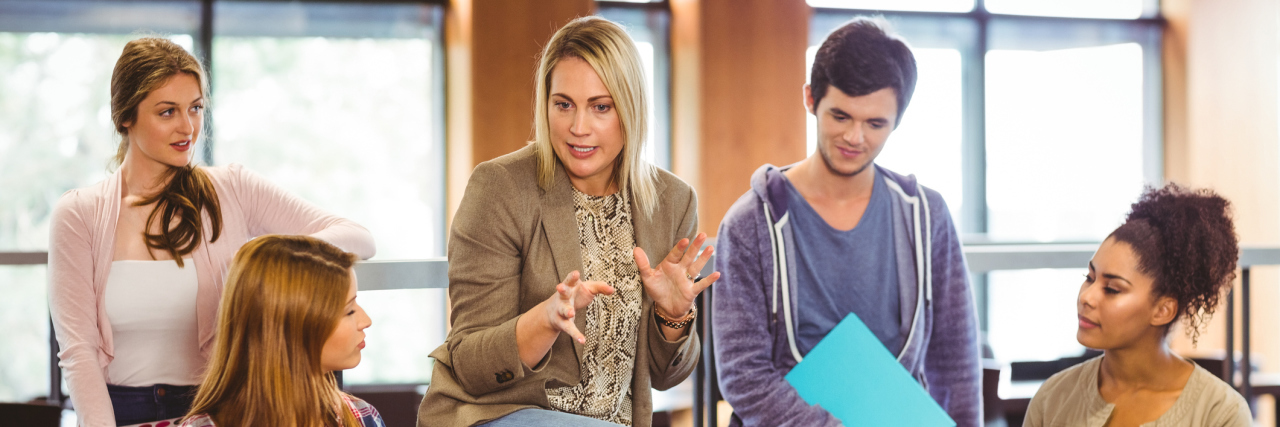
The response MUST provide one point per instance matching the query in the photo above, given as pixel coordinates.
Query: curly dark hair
(1185, 240)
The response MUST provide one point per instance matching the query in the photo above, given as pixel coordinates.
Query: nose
(186, 125)
(581, 125)
(855, 134)
(364, 321)
(1088, 296)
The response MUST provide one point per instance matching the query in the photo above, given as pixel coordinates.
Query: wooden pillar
(492, 49)
(737, 100)
(1221, 124)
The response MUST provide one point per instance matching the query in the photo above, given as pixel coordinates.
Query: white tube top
(152, 309)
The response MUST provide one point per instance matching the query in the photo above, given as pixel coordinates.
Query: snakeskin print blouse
(606, 239)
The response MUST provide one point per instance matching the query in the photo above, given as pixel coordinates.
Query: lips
(1085, 323)
(181, 145)
(361, 346)
(582, 151)
(849, 152)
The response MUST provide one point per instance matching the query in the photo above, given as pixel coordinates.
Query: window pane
(55, 135)
(342, 108)
(1114, 9)
(55, 126)
(343, 123)
(927, 143)
(911, 5)
(649, 28)
(1032, 314)
(1064, 141)
(56, 59)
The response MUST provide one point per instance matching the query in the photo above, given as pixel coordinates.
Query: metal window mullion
(204, 45)
(974, 151)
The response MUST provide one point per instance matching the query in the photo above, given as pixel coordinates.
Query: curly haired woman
(1171, 260)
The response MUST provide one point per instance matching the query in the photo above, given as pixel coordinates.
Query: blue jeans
(543, 417)
(135, 405)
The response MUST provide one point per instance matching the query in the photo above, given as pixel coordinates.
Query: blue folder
(855, 378)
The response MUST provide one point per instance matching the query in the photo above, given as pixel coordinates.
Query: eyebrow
(174, 103)
(591, 99)
(1108, 275)
(1115, 276)
(353, 299)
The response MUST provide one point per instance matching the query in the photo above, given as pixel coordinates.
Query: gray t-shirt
(1071, 398)
(842, 272)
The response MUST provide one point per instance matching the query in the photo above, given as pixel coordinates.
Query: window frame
(974, 222)
(657, 21)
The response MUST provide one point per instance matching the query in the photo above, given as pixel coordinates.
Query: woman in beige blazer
(558, 317)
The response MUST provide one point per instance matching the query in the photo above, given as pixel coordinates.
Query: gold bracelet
(676, 323)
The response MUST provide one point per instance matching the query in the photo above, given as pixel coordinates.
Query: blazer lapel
(561, 228)
(655, 237)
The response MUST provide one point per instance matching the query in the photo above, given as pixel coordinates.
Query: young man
(836, 234)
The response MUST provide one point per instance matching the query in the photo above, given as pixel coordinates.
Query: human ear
(1166, 310)
(808, 100)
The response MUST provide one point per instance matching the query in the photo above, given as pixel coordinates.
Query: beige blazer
(512, 242)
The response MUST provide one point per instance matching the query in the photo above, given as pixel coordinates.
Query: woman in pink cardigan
(137, 261)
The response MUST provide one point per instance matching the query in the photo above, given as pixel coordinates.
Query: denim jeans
(135, 405)
(543, 417)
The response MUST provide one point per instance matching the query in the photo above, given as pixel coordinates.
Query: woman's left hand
(670, 283)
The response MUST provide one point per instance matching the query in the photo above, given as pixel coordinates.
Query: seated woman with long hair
(289, 318)
(1171, 260)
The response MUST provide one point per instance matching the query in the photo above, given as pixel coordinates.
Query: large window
(650, 26)
(342, 106)
(55, 135)
(339, 103)
(1038, 121)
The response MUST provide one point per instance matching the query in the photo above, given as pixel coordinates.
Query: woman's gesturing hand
(571, 296)
(670, 283)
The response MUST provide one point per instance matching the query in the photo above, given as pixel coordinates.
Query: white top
(152, 308)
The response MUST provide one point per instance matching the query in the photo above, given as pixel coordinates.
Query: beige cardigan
(81, 246)
(512, 242)
(1070, 399)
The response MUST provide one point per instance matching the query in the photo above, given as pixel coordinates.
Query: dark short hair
(861, 57)
(1185, 241)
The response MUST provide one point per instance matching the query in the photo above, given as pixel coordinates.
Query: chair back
(30, 415)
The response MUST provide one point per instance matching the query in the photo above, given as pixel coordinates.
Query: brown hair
(1184, 240)
(864, 56)
(283, 299)
(145, 65)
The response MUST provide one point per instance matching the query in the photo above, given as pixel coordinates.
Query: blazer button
(505, 376)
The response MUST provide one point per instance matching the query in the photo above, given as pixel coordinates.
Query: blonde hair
(145, 65)
(283, 299)
(609, 50)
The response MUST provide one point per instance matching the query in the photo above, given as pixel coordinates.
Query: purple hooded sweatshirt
(754, 320)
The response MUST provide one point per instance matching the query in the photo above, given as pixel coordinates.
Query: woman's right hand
(572, 295)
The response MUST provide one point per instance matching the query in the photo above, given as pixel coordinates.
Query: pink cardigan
(81, 246)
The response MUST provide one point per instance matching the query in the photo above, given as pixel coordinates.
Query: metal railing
(985, 258)
(981, 258)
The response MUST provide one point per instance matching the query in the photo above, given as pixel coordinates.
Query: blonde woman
(558, 316)
(136, 262)
(289, 318)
